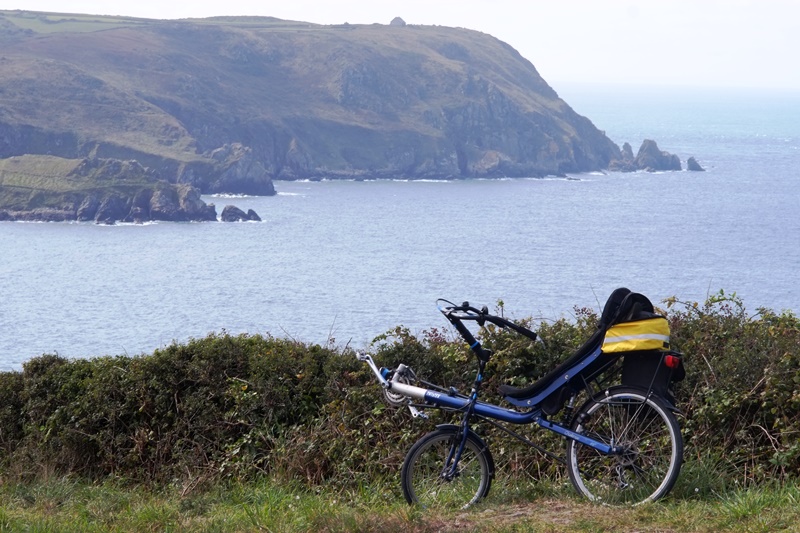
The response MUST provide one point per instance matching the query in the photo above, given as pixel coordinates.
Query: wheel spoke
(650, 449)
(424, 472)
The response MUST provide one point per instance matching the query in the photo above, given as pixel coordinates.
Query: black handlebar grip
(465, 332)
(482, 354)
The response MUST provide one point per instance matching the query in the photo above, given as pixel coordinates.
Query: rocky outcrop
(87, 210)
(112, 209)
(232, 213)
(172, 204)
(627, 163)
(652, 159)
(180, 204)
(242, 172)
(649, 158)
(104, 191)
(231, 168)
(693, 165)
(627, 152)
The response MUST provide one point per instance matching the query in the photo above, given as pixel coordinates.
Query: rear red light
(672, 361)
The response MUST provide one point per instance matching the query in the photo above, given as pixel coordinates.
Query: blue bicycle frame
(471, 405)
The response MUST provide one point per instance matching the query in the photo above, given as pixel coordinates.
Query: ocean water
(343, 262)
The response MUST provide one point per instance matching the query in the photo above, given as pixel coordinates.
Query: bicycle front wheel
(426, 476)
(650, 443)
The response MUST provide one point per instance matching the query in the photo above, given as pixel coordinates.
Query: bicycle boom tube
(498, 413)
(459, 403)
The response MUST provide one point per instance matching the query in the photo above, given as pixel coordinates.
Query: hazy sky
(725, 43)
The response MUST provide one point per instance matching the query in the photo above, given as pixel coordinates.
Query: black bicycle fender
(453, 427)
(668, 402)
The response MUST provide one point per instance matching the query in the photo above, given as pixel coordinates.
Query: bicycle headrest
(612, 306)
(624, 306)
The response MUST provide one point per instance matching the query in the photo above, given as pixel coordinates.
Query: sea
(343, 262)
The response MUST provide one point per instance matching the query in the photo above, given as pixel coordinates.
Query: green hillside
(303, 100)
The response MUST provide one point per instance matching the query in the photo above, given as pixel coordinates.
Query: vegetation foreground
(69, 506)
(253, 433)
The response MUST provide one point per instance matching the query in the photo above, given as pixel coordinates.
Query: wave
(147, 223)
(437, 180)
(219, 219)
(415, 180)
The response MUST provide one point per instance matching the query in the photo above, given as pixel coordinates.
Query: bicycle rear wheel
(651, 443)
(423, 478)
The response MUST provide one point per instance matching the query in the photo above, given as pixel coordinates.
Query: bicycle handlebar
(457, 314)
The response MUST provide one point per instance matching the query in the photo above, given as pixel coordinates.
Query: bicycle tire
(421, 475)
(649, 432)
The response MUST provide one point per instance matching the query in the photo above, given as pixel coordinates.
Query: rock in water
(231, 213)
(693, 165)
(652, 159)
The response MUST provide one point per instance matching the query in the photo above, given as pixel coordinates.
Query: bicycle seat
(521, 393)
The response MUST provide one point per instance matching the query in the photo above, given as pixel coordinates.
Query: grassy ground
(64, 505)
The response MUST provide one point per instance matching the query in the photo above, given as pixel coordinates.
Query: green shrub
(11, 413)
(742, 374)
(241, 406)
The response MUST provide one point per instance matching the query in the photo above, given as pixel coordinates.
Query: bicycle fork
(450, 470)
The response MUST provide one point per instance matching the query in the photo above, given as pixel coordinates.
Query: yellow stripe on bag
(648, 334)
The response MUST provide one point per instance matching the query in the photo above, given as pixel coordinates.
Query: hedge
(241, 406)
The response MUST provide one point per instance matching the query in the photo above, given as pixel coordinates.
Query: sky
(701, 43)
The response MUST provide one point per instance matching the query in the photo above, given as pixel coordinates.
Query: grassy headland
(308, 100)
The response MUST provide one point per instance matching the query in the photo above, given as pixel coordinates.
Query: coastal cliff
(230, 104)
(298, 100)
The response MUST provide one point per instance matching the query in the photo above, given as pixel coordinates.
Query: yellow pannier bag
(648, 334)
